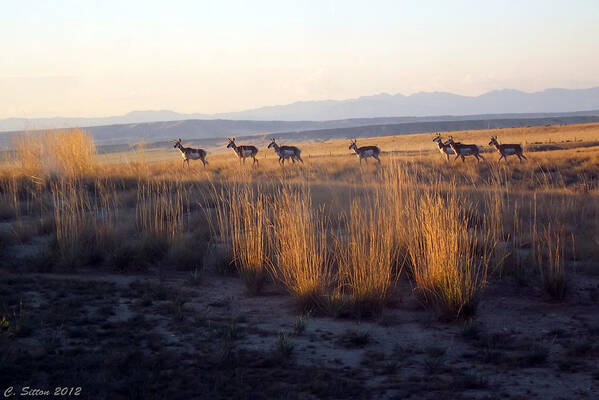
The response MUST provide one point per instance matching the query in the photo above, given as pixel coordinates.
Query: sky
(99, 58)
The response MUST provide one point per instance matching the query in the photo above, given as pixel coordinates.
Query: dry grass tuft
(550, 257)
(366, 256)
(60, 152)
(249, 228)
(301, 262)
(83, 220)
(449, 273)
(160, 208)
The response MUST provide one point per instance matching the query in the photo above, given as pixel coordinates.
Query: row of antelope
(293, 153)
(461, 150)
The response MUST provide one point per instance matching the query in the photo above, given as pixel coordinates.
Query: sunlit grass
(300, 248)
(334, 234)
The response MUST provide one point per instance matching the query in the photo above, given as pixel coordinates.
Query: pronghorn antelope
(507, 149)
(365, 151)
(285, 152)
(444, 148)
(464, 150)
(188, 153)
(243, 151)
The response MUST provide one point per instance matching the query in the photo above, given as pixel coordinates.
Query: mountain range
(378, 106)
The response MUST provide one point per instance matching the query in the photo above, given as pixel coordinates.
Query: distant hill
(215, 144)
(212, 131)
(377, 106)
(417, 127)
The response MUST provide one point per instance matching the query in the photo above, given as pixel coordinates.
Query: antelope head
(177, 143)
(231, 143)
(353, 145)
(272, 143)
(493, 141)
(437, 138)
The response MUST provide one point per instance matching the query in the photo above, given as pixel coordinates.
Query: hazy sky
(95, 58)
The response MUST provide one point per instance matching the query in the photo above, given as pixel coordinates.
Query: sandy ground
(520, 345)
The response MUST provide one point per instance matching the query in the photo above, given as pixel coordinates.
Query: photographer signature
(29, 391)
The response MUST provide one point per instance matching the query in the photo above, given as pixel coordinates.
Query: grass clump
(366, 257)
(550, 253)
(160, 208)
(250, 229)
(449, 274)
(240, 225)
(300, 249)
(69, 152)
(83, 221)
(283, 347)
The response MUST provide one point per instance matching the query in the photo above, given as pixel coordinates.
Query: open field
(130, 276)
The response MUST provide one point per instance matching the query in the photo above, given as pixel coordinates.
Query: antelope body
(365, 152)
(507, 149)
(285, 152)
(444, 148)
(464, 150)
(243, 151)
(189, 153)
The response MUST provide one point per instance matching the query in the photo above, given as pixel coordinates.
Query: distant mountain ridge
(432, 103)
(417, 125)
(421, 104)
(210, 132)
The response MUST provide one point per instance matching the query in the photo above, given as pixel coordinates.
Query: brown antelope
(365, 151)
(444, 148)
(285, 152)
(464, 150)
(507, 149)
(243, 151)
(188, 153)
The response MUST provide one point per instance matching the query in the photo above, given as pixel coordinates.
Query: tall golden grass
(84, 217)
(301, 260)
(241, 223)
(366, 256)
(449, 271)
(250, 228)
(160, 208)
(68, 152)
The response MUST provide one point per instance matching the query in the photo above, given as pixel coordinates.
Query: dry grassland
(417, 277)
